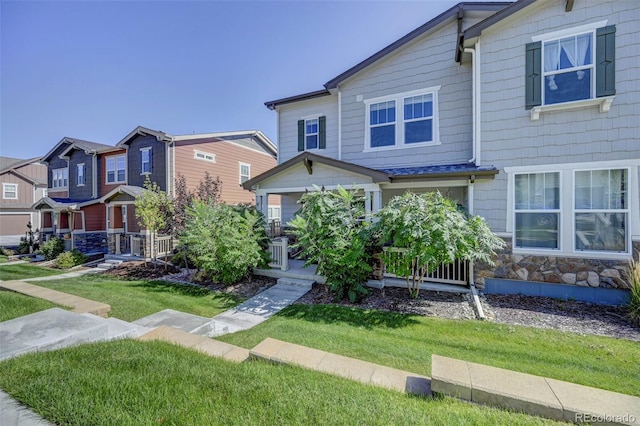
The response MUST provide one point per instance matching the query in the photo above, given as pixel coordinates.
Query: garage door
(12, 227)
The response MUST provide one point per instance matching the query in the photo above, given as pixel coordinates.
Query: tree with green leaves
(154, 210)
(431, 230)
(329, 230)
(225, 240)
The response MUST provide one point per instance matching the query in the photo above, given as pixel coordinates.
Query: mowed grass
(14, 305)
(129, 382)
(25, 270)
(131, 300)
(407, 342)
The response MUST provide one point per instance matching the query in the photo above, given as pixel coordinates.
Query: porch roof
(130, 190)
(442, 171)
(61, 204)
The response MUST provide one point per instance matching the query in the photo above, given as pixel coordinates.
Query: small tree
(208, 190)
(431, 230)
(153, 210)
(330, 232)
(223, 240)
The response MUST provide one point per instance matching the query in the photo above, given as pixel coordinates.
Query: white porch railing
(279, 251)
(163, 246)
(452, 273)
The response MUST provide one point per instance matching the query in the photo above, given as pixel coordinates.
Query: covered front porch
(310, 172)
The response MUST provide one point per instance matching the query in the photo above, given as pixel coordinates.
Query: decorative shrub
(223, 240)
(633, 272)
(329, 231)
(69, 259)
(52, 248)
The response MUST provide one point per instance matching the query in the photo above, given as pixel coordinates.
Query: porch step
(296, 282)
(119, 329)
(109, 264)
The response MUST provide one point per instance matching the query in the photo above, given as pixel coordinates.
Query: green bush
(223, 240)
(52, 248)
(329, 231)
(633, 272)
(69, 259)
(6, 252)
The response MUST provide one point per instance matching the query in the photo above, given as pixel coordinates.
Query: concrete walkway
(13, 413)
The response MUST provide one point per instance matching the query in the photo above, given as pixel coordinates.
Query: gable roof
(8, 163)
(144, 131)
(132, 191)
(476, 30)
(238, 137)
(87, 146)
(455, 11)
(309, 158)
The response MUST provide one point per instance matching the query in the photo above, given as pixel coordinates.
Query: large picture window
(537, 210)
(601, 213)
(402, 120)
(116, 169)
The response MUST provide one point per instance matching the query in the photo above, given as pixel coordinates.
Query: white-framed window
(10, 191)
(402, 120)
(245, 172)
(537, 210)
(311, 133)
(60, 178)
(204, 156)
(80, 175)
(601, 210)
(116, 169)
(568, 68)
(274, 213)
(145, 160)
(575, 209)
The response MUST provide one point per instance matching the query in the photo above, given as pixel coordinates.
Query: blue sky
(95, 70)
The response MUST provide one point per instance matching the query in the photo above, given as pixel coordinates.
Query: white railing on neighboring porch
(279, 251)
(163, 245)
(452, 273)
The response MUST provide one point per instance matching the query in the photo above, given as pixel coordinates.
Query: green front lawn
(131, 300)
(25, 270)
(14, 305)
(407, 342)
(129, 382)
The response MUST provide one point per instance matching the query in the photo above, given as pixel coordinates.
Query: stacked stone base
(556, 269)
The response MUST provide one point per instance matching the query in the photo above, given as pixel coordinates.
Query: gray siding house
(525, 113)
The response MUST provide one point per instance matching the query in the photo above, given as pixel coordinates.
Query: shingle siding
(158, 162)
(83, 192)
(511, 138)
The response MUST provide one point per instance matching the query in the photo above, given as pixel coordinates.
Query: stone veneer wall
(555, 269)
(93, 242)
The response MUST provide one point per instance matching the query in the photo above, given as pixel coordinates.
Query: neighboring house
(93, 186)
(23, 183)
(456, 106)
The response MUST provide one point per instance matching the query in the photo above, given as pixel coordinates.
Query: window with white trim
(537, 210)
(60, 178)
(568, 68)
(601, 210)
(274, 213)
(245, 172)
(80, 174)
(205, 156)
(145, 161)
(311, 133)
(402, 120)
(116, 169)
(10, 191)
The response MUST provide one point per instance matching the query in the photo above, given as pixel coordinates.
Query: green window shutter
(322, 132)
(533, 82)
(300, 135)
(605, 61)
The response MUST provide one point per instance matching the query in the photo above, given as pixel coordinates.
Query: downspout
(474, 96)
(94, 176)
(278, 135)
(339, 124)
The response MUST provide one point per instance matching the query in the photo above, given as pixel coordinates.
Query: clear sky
(95, 70)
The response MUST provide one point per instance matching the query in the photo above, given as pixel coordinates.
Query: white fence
(452, 273)
(163, 246)
(279, 251)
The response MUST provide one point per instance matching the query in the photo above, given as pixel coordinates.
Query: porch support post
(262, 203)
(367, 203)
(377, 201)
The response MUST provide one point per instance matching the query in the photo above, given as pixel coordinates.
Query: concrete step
(296, 282)
(119, 329)
(199, 343)
(531, 394)
(171, 318)
(47, 330)
(354, 369)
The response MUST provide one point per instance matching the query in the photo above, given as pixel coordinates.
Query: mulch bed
(541, 312)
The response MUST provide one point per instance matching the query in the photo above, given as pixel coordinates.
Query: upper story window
(145, 161)
(116, 169)
(205, 156)
(402, 120)
(80, 174)
(570, 68)
(312, 132)
(10, 191)
(245, 172)
(60, 178)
